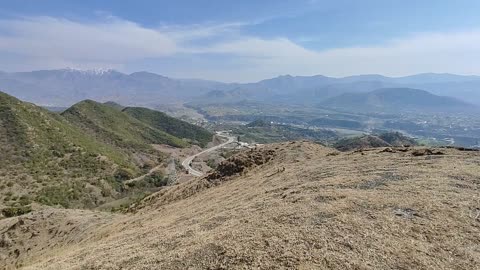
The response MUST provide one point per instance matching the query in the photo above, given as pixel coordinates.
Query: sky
(242, 41)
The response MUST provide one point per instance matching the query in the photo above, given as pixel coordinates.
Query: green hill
(46, 159)
(79, 158)
(114, 105)
(397, 139)
(178, 128)
(117, 128)
(361, 142)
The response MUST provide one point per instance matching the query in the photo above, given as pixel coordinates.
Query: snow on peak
(96, 71)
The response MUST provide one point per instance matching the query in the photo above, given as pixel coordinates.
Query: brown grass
(304, 209)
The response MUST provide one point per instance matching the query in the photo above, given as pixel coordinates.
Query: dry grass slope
(304, 207)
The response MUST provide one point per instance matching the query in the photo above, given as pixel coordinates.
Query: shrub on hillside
(122, 174)
(16, 211)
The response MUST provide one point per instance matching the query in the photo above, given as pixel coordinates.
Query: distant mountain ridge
(395, 99)
(64, 87)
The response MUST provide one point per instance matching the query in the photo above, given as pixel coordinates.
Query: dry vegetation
(289, 206)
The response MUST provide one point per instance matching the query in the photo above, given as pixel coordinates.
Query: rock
(5, 241)
(426, 152)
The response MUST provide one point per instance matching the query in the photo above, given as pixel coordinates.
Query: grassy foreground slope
(176, 127)
(289, 206)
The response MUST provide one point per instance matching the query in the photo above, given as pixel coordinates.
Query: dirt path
(152, 170)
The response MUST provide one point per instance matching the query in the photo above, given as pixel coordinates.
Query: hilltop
(292, 205)
(114, 127)
(114, 105)
(170, 125)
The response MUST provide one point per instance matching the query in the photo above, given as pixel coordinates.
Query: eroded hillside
(293, 206)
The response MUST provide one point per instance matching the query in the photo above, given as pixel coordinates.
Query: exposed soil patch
(241, 162)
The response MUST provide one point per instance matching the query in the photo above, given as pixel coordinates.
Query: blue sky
(242, 40)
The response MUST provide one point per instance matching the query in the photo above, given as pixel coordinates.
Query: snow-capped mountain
(64, 87)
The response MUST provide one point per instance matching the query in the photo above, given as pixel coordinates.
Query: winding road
(186, 163)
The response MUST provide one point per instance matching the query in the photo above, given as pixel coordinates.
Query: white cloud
(113, 42)
(45, 42)
(424, 52)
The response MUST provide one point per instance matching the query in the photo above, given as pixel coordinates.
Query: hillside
(47, 160)
(173, 126)
(114, 105)
(117, 128)
(81, 157)
(387, 139)
(360, 142)
(394, 100)
(261, 131)
(397, 139)
(289, 206)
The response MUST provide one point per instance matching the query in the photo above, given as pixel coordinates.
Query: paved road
(186, 163)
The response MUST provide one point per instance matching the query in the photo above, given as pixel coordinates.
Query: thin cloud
(423, 52)
(112, 41)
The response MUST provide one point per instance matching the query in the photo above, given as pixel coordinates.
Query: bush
(157, 179)
(212, 163)
(61, 195)
(16, 211)
(123, 174)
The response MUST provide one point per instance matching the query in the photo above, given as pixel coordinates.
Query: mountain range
(65, 87)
